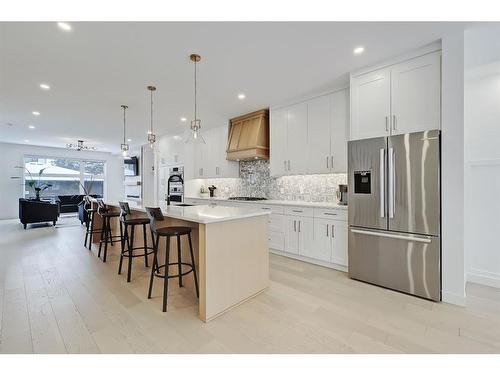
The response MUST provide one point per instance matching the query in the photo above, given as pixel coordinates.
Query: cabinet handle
(327, 167)
(284, 163)
(297, 211)
(393, 122)
(289, 165)
(333, 231)
(327, 225)
(331, 163)
(299, 226)
(294, 226)
(386, 123)
(265, 208)
(329, 213)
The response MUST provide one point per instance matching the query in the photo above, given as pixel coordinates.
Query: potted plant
(37, 185)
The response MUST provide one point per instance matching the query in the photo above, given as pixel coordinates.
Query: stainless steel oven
(176, 186)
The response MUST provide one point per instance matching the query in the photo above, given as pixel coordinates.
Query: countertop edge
(279, 203)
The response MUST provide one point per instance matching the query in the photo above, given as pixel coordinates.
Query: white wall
(12, 156)
(452, 171)
(482, 155)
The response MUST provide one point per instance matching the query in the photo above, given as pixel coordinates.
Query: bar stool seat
(162, 271)
(173, 231)
(136, 221)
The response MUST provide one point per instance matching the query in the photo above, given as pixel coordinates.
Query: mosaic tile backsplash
(255, 181)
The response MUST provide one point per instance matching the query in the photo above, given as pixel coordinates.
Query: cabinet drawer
(276, 240)
(276, 223)
(330, 213)
(272, 208)
(299, 211)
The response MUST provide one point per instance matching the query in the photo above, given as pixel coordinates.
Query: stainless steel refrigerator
(395, 212)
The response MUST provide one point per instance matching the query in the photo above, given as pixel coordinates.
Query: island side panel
(234, 264)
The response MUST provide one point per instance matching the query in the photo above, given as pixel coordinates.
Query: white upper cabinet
(339, 102)
(278, 141)
(297, 139)
(370, 104)
(172, 150)
(402, 98)
(319, 134)
(416, 94)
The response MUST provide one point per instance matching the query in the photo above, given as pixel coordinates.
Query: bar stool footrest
(162, 276)
(126, 251)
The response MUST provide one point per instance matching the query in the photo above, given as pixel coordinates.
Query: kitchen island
(231, 252)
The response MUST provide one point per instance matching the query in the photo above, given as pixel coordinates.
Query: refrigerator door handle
(391, 195)
(382, 182)
(390, 235)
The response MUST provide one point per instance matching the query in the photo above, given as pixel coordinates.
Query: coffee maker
(342, 195)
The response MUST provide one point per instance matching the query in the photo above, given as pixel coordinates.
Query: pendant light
(195, 135)
(124, 146)
(151, 135)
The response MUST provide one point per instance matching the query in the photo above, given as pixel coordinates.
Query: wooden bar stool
(128, 250)
(106, 232)
(155, 216)
(89, 223)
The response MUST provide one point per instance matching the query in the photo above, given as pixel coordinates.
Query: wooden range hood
(249, 136)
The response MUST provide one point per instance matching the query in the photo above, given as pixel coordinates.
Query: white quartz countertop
(333, 205)
(203, 214)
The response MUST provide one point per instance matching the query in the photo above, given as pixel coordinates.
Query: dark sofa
(33, 211)
(69, 203)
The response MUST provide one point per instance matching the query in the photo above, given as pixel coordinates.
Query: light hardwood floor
(57, 297)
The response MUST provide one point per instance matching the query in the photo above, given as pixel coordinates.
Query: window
(65, 176)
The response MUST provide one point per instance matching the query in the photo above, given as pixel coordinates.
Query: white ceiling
(97, 67)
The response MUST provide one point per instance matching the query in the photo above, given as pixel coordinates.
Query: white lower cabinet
(299, 234)
(330, 241)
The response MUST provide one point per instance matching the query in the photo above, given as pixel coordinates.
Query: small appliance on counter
(212, 190)
(342, 195)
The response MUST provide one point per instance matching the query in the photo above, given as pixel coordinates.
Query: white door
(322, 242)
(370, 104)
(278, 141)
(297, 139)
(305, 230)
(291, 235)
(339, 242)
(416, 94)
(318, 135)
(339, 131)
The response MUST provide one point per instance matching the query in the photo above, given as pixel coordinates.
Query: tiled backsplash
(255, 181)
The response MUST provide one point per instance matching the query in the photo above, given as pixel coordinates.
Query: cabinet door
(318, 135)
(339, 131)
(278, 141)
(322, 242)
(339, 242)
(199, 157)
(370, 104)
(297, 139)
(416, 94)
(225, 168)
(305, 230)
(291, 235)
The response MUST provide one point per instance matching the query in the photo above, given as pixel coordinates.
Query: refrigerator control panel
(362, 182)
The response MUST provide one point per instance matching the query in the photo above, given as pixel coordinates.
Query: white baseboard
(484, 278)
(334, 266)
(453, 298)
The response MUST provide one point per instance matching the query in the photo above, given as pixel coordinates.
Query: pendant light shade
(151, 135)
(124, 146)
(195, 135)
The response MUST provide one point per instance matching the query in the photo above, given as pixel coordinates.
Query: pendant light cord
(124, 108)
(195, 92)
(151, 125)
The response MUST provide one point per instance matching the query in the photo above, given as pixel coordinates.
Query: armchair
(33, 211)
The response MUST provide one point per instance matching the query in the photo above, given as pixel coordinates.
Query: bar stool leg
(86, 232)
(194, 266)
(103, 236)
(155, 263)
(108, 237)
(130, 253)
(124, 243)
(145, 245)
(179, 260)
(91, 225)
(165, 281)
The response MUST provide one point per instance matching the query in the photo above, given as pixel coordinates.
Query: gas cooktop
(247, 199)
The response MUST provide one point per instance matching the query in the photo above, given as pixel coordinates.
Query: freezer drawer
(404, 262)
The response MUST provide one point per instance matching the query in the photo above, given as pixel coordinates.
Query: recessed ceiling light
(31, 126)
(26, 140)
(359, 50)
(183, 119)
(129, 140)
(241, 96)
(36, 113)
(64, 26)
(44, 86)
